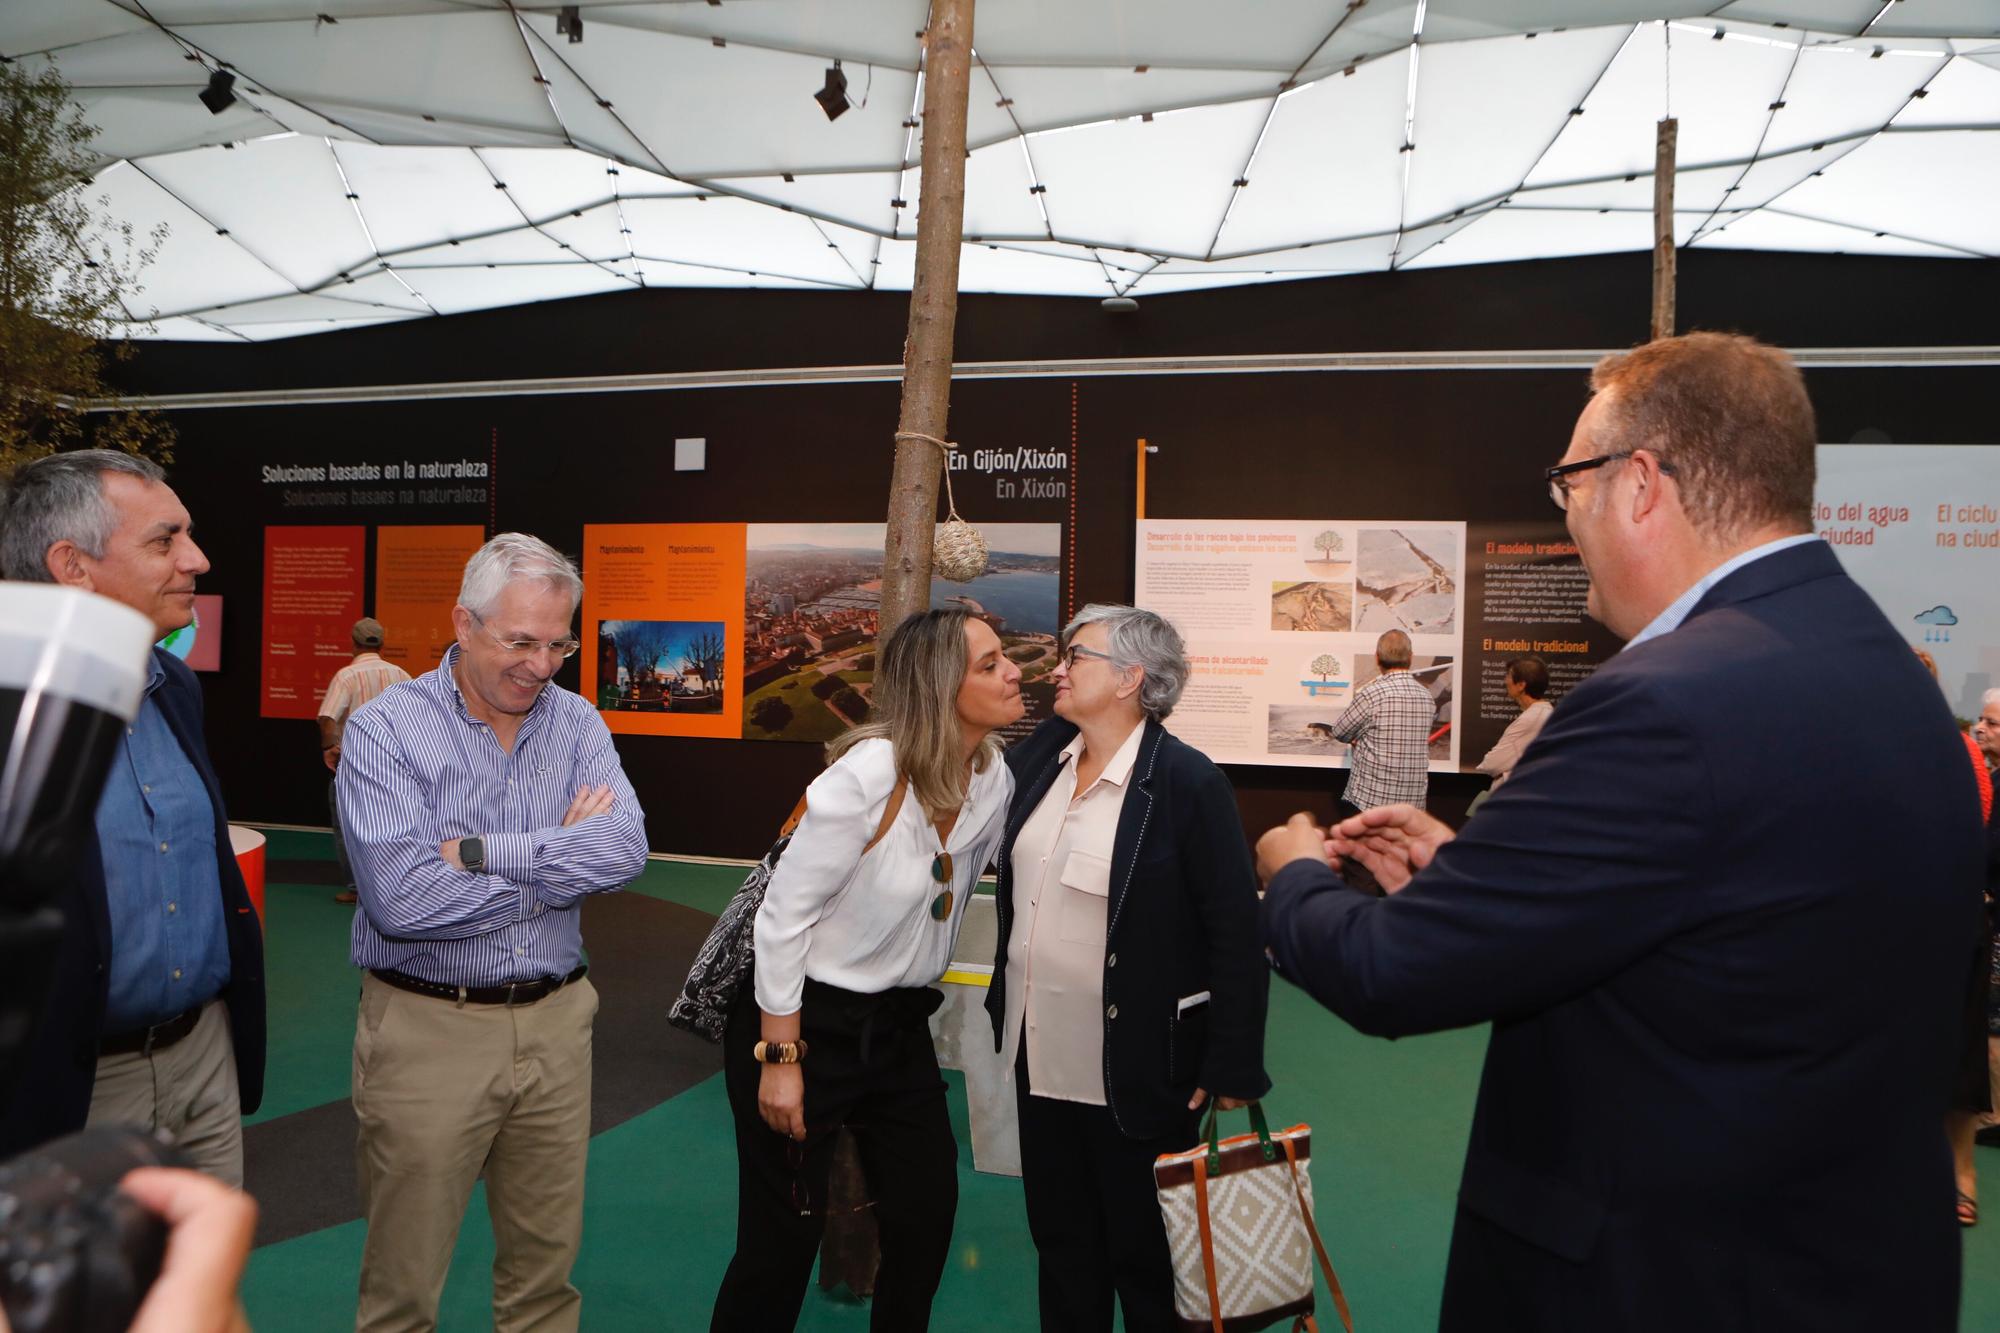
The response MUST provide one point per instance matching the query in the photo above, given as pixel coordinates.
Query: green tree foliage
(66, 274)
(1328, 543)
(772, 714)
(851, 705)
(1326, 664)
(828, 686)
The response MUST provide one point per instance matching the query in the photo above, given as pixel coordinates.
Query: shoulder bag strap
(1207, 1241)
(1319, 1248)
(792, 820)
(889, 813)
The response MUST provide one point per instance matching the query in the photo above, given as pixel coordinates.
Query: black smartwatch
(472, 854)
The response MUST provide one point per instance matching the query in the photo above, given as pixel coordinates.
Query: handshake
(1391, 842)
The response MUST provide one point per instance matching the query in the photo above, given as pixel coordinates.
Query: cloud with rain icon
(1937, 623)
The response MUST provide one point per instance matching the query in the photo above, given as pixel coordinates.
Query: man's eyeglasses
(1559, 475)
(562, 648)
(1076, 650)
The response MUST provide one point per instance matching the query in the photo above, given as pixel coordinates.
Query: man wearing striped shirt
(481, 803)
(352, 686)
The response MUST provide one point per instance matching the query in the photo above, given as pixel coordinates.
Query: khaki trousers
(446, 1093)
(189, 1090)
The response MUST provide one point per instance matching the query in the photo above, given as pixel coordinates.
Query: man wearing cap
(352, 686)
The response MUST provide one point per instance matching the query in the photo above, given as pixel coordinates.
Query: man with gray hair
(155, 1016)
(1389, 726)
(481, 803)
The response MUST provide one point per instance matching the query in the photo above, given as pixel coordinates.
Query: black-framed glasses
(1559, 475)
(562, 648)
(941, 874)
(1076, 650)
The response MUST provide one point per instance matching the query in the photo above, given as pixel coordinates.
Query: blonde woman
(859, 919)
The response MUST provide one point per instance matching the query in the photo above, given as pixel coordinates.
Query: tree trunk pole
(1664, 254)
(906, 564)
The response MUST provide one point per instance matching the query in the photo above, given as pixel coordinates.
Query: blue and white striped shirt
(417, 770)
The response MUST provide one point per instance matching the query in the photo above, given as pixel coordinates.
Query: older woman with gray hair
(1128, 988)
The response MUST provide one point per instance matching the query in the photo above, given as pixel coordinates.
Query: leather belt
(155, 1038)
(514, 992)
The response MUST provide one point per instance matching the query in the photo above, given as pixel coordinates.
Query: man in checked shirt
(1389, 726)
(480, 803)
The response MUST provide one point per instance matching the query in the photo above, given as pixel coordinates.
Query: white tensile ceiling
(392, 159)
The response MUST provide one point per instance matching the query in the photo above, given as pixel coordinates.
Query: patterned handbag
(725, 956)
(1240, 1226)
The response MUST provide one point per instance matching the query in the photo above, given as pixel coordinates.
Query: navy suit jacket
(1182, 920)
(1718, 918)
(51, 1093)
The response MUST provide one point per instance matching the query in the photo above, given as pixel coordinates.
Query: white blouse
(863, 922)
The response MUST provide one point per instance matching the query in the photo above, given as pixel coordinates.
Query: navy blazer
(51, 1092)
(1182, 920)
(1718, 918)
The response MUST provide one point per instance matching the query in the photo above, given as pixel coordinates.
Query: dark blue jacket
(51, 1094)
(1718, 918)
(1182, 920)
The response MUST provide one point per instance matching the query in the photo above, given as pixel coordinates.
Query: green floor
(1389, 1125)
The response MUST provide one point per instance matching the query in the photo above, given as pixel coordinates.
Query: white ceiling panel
(418, 62)
(280, 197)
(1514, 233)
(658, 273)
(1887, 185)
(271, 332)
(1965, 92)
(206, 269)
(1330, 165)
(1133, 182)
(1136, 122)
(1486, 110)
(422, 196)
(1769, 229)
(452, 290)
(719, 232)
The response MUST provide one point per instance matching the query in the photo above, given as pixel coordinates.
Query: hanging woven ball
(958, 552)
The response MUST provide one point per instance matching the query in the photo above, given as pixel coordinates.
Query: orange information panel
(417, 573)
(312, 597)
(663, 627)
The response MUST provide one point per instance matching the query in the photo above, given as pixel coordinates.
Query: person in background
(1128, 988)
(1389, 725)
(1972, 1102)
(482, 804)
(352, 686)
(832, 1026)
(155, 1016)
(1527, 684)
(1690, 1116)
(1986, 735)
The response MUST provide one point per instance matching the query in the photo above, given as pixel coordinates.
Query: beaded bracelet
(779, 1052)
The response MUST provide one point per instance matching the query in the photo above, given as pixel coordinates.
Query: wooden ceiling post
(1665, 257)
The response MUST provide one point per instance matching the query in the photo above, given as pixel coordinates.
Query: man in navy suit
(156, 1013)
(1719, 917)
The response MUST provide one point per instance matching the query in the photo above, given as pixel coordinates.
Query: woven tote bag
(1240, 1226)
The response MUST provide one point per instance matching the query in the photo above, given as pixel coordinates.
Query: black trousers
(1094, 1215)
(870, 1066)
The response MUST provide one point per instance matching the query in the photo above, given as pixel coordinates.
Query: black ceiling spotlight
(832, 98)
(570, 23)
(217, 97)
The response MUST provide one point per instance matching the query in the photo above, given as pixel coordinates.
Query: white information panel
(1918, 526)
(1281, 619)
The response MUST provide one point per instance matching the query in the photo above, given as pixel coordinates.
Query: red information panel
(312, 597)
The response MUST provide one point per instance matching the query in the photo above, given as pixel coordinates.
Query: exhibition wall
(1410, 452)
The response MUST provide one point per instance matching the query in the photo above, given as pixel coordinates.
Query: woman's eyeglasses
(941, 873)
(1076, 650)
